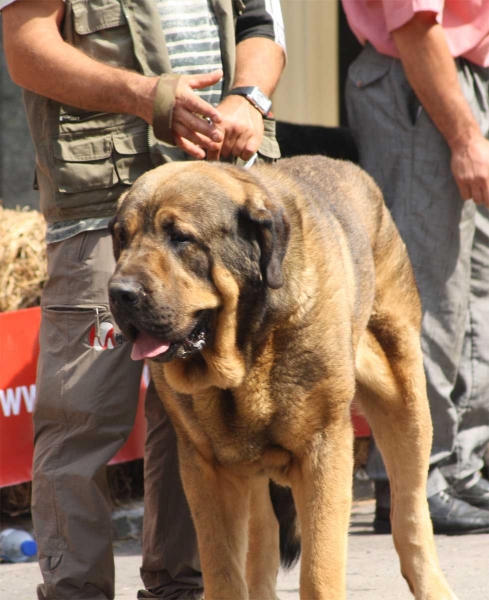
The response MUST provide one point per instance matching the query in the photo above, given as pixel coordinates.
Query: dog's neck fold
(221, 365)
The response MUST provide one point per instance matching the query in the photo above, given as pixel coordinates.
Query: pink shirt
(465, 22)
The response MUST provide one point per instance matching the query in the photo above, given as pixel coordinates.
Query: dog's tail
(290, 537)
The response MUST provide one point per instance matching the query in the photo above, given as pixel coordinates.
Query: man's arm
(260, 59)
(432, 74)
(260, 62)
(41, 61)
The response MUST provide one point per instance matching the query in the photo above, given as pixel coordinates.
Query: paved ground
(372, 567)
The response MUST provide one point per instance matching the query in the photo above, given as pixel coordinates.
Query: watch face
(261, 100)
(254, 95)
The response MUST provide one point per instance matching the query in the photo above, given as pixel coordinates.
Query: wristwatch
(254, 95)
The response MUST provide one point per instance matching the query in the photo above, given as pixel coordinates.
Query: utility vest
(85, 160)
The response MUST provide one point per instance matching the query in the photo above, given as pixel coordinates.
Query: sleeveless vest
(85, 160)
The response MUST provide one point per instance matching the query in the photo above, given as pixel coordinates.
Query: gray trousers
(448, 243)
(85, 409)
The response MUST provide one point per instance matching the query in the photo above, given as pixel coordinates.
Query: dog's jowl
(266, 301)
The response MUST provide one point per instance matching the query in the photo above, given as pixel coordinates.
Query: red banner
(18, 359)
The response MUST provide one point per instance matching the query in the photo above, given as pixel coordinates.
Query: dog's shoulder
(337, 189)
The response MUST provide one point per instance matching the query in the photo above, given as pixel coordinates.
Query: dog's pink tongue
(146, 346)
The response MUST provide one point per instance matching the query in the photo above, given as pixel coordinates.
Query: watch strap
(255, 96)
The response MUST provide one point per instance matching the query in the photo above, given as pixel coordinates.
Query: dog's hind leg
(219, 503)
(263, 559)
(321, 483)
(392, 392)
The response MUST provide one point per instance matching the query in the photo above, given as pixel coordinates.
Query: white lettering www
(11, 398)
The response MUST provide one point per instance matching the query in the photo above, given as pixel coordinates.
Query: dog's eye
(179, 238)
(121, 236)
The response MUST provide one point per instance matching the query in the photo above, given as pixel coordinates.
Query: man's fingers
(204, 79)
(228, 145)
(196, 124)
(188, 146)
(477, 190)
(249, 147)
(196, 138)
(482, 188)
(464, 190)
(470, 168)
(481, 195)
(244, 146)
(485, 194)
(193, 104)
(213, 155)
(190, 100)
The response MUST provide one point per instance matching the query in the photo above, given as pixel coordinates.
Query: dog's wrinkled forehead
(192, 191)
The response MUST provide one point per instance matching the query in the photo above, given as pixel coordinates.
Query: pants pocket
(85, 366)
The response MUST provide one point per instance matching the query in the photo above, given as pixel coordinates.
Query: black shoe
(456, 517)
(476, 495)
(449, 515)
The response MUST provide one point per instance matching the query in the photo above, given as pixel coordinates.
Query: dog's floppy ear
(273, 236)
(116, 247)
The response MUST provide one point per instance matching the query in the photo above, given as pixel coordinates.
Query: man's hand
(191, 128)
(470, 168)
(259, 61)
(242, 129)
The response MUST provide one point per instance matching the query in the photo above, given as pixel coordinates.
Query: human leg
(470, 395)
(85, 409)
(407, 156)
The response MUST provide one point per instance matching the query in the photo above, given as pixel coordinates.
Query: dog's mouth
(146, 345)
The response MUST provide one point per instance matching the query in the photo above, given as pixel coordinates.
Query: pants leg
(171, 561)
(87, 393)
(471, 392)
(407, 156)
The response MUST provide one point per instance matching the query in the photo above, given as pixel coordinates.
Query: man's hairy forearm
(259, 61)
(41, 61)
(432, 74)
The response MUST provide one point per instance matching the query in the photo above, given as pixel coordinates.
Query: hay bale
(23, 268)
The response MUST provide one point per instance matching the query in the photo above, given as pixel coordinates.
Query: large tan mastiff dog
(267, 300)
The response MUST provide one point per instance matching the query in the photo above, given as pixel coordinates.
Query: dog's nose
(125, 292)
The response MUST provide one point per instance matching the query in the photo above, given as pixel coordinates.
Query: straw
(23, 268)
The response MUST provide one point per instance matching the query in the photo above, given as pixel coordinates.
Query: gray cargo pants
(86, 404)
(448, 243)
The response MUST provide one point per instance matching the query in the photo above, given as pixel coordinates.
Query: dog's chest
(250, 428)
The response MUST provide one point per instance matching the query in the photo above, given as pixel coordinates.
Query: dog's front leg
(263, 558)
(322, 488)
(219, 503)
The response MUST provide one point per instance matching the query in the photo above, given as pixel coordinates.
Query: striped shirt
(192, 39)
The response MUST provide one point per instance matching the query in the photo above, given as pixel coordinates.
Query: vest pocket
(95, 15)
(86, 161)
(101, 30)
(84, 164)
(131, 155)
